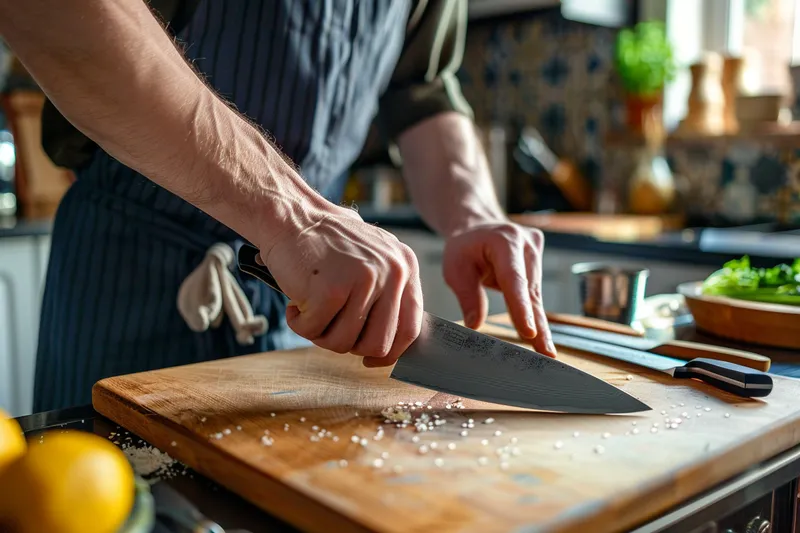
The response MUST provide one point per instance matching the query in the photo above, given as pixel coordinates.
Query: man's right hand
(353, 287)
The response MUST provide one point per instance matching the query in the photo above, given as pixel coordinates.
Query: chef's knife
(673, 348)
(678, 349)
(729, 377)
(456, 360)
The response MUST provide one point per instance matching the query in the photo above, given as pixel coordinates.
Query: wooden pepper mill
(731, 72)
(706, 106)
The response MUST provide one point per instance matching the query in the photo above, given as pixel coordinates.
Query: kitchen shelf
(773, 134)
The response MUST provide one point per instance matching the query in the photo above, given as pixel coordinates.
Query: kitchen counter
(670, 243)
(768, 489)
(645, 242)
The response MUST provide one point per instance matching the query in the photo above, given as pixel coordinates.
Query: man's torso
(309, 72)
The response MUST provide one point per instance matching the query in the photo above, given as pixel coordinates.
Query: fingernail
(529, 322)
(551, 347)
(471, 319)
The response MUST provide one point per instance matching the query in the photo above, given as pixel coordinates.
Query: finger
(378, 333)
(319, 311)
(543, 342)
(465, 282)
(344, 330)
(512, 277)
(408, 326)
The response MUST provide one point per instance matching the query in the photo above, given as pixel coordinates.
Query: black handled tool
(730, 377)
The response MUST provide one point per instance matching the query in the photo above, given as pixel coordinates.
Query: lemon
(75, 481)
(12, 442)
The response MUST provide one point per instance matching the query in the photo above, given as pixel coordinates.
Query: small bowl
(142, 517)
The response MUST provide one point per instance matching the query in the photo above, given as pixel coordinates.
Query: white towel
(211, 291)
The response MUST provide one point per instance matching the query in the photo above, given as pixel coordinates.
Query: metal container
(610, 292)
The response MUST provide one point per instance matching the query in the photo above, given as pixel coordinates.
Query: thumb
(465, 282)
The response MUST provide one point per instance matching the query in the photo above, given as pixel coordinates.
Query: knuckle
(537, 237)
(380, 348)
(406, 334)
(408, 252)
(511, 231)
(397, 265)
(412, 263)
(339, 347)
(536, 292)
(308, 331)
(367, 272)
(333, 293)
(516, 276)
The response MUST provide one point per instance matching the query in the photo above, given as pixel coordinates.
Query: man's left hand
(507, 257)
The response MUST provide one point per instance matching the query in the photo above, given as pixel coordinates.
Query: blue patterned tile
(591, 126)
(768, 174)
(553, 120)
(727, 173)
(593, 64)
(490, 76)
(555, 71)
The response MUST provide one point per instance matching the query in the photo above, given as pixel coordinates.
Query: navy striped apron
(308, 71)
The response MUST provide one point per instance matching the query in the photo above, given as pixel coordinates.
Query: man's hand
(449, 180)
(354, 287)
(505, 257)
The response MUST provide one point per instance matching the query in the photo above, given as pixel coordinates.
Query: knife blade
(454, 359)
(673, 348)
(730, 377)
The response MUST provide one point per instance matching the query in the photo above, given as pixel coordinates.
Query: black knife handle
(248, 262)
(730, 377)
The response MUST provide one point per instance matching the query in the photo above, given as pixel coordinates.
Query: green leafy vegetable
(738, 279)
(644, 58)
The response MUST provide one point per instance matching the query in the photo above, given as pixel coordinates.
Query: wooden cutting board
(542, 471)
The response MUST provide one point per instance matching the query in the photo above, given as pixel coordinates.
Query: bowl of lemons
(69, 481)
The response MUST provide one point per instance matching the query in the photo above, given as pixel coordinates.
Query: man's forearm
(111, 69)
(447, 174)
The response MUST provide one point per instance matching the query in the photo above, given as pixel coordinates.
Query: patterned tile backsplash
(558, 76)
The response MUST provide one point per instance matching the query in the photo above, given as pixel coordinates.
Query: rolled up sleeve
(424, 82)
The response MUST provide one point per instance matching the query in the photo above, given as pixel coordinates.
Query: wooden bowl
(741, 320)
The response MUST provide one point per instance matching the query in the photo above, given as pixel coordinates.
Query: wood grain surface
(538, 475)
(613, 227)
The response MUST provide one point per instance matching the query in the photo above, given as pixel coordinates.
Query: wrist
(470, 216)
(248, 185)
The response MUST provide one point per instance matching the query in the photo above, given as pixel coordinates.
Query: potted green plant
(644, 60)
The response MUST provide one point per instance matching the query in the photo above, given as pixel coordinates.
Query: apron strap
(211, 291)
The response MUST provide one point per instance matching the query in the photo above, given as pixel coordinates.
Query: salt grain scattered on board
(149, 461)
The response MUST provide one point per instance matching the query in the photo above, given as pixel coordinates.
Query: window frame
(695, 28)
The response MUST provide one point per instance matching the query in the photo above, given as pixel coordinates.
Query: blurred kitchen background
(662, 134)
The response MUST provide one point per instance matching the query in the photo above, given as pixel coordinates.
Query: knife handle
(730, 377)
(687, 351)
(251, 264)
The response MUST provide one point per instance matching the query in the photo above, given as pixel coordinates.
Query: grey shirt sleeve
(424, 81)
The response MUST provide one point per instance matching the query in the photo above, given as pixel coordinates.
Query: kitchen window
(765, 32)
